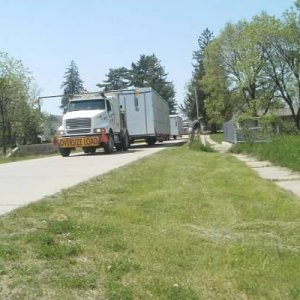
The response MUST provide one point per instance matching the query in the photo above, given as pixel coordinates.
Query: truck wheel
(118, 146)
(85, 149)
(89, 150)
(125, 141)
(109, 146)
(92, 150)
(64, 151)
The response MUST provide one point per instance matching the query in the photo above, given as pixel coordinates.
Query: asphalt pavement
(30, 180)
(27, 181)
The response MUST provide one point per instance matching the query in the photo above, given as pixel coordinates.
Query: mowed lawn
(181, 224)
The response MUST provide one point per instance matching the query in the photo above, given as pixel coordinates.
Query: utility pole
(196, 100)
(201, 137)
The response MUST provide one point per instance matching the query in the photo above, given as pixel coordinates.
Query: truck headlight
(97, 130)
(61, 132)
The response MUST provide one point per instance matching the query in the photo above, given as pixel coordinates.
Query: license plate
(92, 141)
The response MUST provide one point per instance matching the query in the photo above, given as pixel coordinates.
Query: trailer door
(136, 114)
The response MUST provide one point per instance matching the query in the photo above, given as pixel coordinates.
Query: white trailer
(147, 114)
(176, 126)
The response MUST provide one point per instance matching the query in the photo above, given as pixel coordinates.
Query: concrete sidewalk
(282, 177)
(222, 148)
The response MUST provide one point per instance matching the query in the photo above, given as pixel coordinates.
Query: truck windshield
(87, 105)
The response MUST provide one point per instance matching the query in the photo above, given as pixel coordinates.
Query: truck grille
(78, 126)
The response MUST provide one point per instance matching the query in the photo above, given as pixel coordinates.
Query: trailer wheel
(64, 151)
(125, 141)
(151, 141)
(109, 146)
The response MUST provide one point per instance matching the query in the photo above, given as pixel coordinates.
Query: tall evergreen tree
(219, 102)
(72, 84)
(116, 79)
(194, 88)
(148, 72)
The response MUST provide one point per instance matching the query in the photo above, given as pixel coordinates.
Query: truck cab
(92, 121)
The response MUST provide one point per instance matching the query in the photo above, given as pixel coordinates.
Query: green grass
(181, 224)
(196, 145)
(282, 150)
(217, 137)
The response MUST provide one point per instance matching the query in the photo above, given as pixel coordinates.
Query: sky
(102, 34)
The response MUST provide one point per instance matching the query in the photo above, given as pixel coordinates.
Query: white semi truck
(93, 120)
(147, 114)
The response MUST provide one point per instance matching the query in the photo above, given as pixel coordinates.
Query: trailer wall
(147, 114)
(176, 125)
(160, 115)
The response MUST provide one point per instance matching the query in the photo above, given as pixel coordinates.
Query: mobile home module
(147, 114)
(176, 126)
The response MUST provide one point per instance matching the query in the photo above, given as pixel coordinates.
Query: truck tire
(92, 150)
(64, 151)
(89, 150)
(125, 141)
(109, 146)
(119, 146)
(85, 149)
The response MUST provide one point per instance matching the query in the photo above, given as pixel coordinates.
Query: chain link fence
(248, 132)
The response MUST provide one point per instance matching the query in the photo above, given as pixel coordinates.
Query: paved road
(27, 181)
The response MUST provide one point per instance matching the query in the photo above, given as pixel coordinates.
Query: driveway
(27, 181)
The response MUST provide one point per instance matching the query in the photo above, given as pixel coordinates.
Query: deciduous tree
(16, 111)
(235, 78)
(279, 40)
